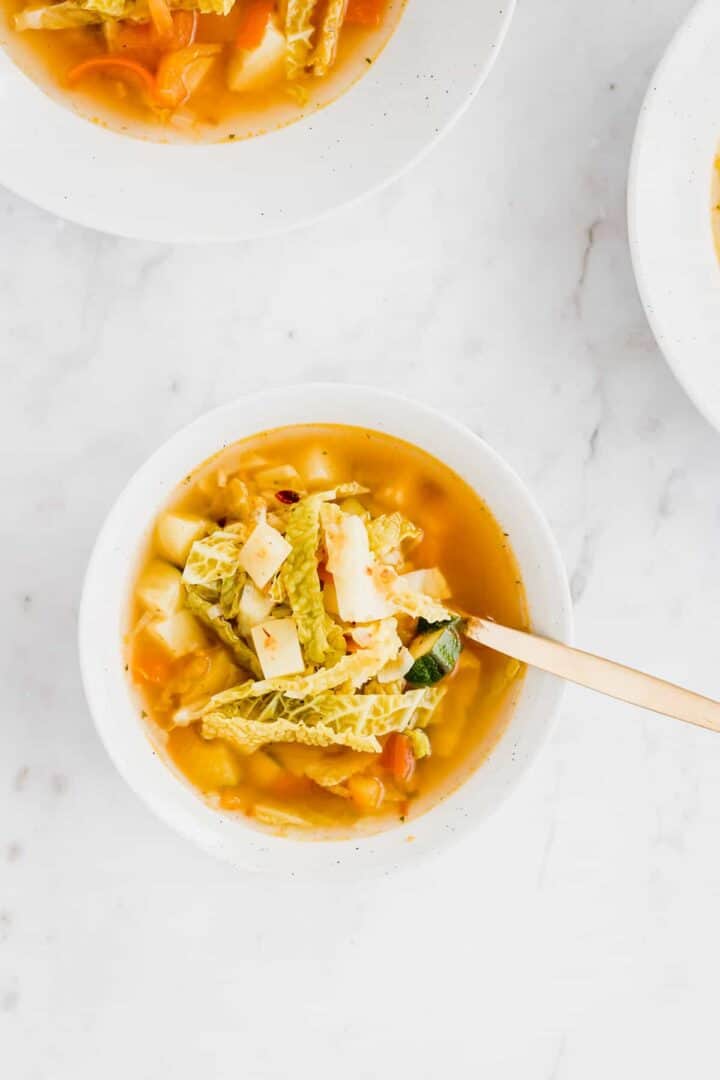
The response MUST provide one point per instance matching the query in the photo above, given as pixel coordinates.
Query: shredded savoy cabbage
(327, 719)
(73, 13)
(313, 595)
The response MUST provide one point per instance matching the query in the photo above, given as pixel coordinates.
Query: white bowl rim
(683, 336)
(63, 188)
(188, 814)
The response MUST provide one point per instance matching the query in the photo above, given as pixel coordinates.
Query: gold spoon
(606, 676)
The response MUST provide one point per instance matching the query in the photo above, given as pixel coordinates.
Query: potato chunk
(278, 647)
(255, 69)
(264, 553)
(176, 533)
(160, 587)
(179, 633)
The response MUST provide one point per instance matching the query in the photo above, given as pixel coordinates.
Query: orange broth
(461, 537)
(715, 203)
(213, 112)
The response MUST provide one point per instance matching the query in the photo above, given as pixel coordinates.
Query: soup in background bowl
(264, 720)
(203, 70)
(715, 202)
(201, 186)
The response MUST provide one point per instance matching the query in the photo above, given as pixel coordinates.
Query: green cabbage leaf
(352, 670)
(300, 579)
(212, 571)
(298, 27)
(321, 638)
(388, 532)
(355, 721)
(420, 742)
(211, 615)
(328, 36)
(73, 13)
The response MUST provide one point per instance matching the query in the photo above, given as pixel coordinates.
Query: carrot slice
(162, 18)
(364, 12)
(152, 667)
(398, 757)
(254, 23)
(118, 65)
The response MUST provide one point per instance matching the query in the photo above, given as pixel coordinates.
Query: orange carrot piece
(289, 786)
(254, 23)
(365, 12)
(398, 757)
(152, 667)
(118, 65)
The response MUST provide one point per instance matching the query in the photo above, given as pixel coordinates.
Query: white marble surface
(575, 936)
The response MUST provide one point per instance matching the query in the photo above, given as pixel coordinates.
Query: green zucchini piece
(435, 655)
(425, 627)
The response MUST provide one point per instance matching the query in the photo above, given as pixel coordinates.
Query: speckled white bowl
(108, 581)
(669, 198)
(421, 82)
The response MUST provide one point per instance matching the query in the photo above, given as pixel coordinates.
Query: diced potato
(262, 770)
(367, 792)
(297, 758)
(160, 587)
(211, 765)
(278, 477)
(318, 469)
(264, 553)
(176, 533)
(217, 673)
(255, 607)
(255, 69)
(251, 462)
(329, 771)
(179, 633)
(278, 648)
(430, 582)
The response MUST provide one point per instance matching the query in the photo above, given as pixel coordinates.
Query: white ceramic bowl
(108, 582)
(675, 262)
(421, 82)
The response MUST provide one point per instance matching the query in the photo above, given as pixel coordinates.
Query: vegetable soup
(295, 633)
(197, 69)
(715, 203)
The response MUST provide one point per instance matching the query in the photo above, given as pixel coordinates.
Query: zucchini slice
(435, 655)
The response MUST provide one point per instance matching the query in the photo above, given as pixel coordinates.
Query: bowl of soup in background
(418, 84)
(673, 193)
(113, 568)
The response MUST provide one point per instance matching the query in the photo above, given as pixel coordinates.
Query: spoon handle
(610, 678)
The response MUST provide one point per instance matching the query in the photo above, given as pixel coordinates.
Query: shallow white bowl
(421, 82)
(675, 262)
(105, 597)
